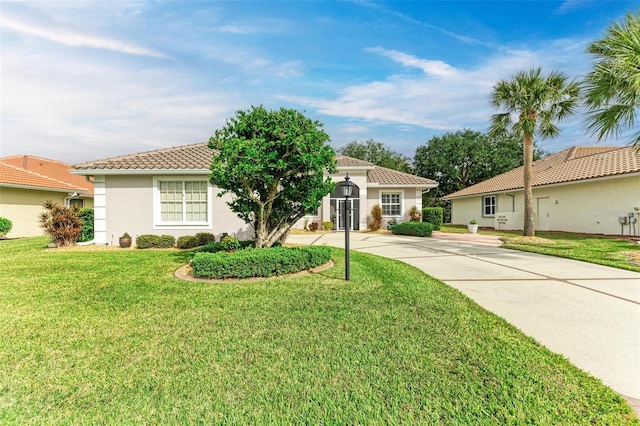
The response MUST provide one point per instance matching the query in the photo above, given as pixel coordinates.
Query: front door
(543, 214)
(338, 212)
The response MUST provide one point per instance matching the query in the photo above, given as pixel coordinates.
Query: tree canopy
(378, 154)
(612, 87)
(463, 158)
(273, 164)
(531, 105)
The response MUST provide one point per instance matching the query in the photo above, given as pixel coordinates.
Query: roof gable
(570, 165)
(41, 173)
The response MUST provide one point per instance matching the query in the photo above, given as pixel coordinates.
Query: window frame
(493, 206)
(158, 223)
(400, 203)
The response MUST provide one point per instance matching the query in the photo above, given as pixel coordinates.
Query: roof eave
(80, 191)
(113, 172)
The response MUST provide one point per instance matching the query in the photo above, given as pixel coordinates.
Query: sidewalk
(586, 312)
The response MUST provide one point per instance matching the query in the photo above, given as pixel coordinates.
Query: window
(182, 202)
(77, 203)
(390, 203)
(489, 206)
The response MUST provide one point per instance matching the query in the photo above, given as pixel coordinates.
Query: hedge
(418, 229)
(86, 217)
(166, 241)
(5, 226)
(205, 238)
(264, 262)
(187, 242)
(433, 215)
(147, 241)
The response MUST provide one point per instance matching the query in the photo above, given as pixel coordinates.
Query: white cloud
(75, 39)
(442, 98)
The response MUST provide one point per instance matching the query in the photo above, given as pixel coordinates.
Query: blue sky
(84, 80)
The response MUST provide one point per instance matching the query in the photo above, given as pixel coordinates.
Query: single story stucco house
(167, 191)
(585, 189)
(26, 181)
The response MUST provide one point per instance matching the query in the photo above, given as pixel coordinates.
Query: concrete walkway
(588, 313)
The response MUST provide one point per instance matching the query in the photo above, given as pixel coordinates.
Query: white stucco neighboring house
(167, 191)
(585, 189)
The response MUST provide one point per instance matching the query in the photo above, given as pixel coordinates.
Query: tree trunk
(529, 225)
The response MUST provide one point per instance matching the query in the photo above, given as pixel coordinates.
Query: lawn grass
(111, 337)
(603, 250)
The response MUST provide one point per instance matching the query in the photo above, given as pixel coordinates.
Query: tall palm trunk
(529, 225)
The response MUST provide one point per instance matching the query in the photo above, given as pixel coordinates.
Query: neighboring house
(584, 189)
(167, 191)
(27, 181)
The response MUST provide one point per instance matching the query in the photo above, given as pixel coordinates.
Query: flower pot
(473, 229)
(125, 242)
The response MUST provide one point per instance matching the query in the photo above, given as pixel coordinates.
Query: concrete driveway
(586, 312)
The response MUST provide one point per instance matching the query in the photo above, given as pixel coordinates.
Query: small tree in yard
(273, 163)
(61, 223)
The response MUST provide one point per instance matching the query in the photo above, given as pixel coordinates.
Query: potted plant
(472, 226)
(125, 240)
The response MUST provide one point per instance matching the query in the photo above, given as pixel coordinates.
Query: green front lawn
(608, 251)
(111, 337)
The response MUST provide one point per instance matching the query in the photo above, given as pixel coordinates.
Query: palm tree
(532, 103)
(612, 88)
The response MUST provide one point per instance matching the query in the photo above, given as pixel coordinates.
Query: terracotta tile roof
(36, 172)
(569, 165)
(186, 157)
(384, 176)
(344, 161)
(198, 157)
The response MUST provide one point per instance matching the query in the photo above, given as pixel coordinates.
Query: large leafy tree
(612, 88)
(273, 164)
(378, 154)
(531, 105)
(460, 159)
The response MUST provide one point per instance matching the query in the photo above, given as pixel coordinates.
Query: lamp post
(347, 190)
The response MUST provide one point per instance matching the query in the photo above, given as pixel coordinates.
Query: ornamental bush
(147, 241)
(327, 225)
(265, 262)
(86, 217)
(166, 241)
(187, 242)
(433, 215)
(5, 226)
(376, 218)
(418, 229)
(61, 223)
(205, 238)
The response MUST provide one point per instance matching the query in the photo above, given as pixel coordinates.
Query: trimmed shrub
(166, 241)
(5, 226)
(376, 218)
(61, 223)
(205, 238)
(418, 229)
(215, 247)
(147, 241)
(230, 244)
(313, 226)
(187, 242)
(265, 262)
(433, 215)
(327, 226)
(86, 217)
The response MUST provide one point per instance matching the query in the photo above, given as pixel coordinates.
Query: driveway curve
(586, 312)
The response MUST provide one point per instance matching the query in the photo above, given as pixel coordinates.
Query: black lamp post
(347, 190)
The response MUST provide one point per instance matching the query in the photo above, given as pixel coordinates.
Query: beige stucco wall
(410, 197)
(23, 207)
(585, 207)
(128, 207)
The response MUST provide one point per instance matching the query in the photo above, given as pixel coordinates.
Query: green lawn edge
(111, 337)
